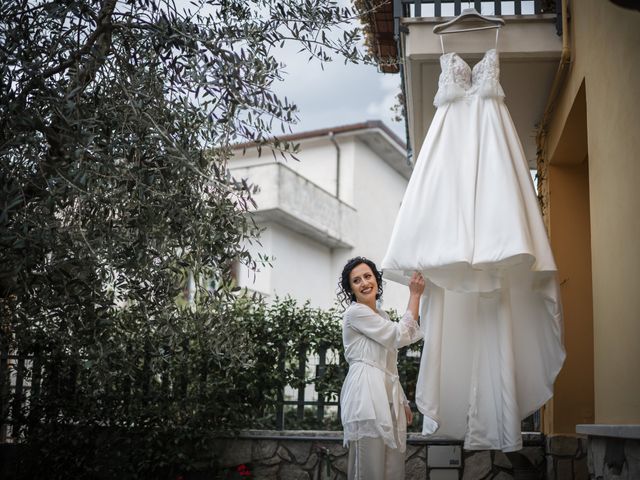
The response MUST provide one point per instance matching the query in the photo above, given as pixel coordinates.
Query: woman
(374, 408)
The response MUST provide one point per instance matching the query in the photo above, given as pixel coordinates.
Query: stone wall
(286, 455)
(308, 455)
(320, 455)
(611, 458)
(566, 457)
(613, 451)
(303, 455)
(525, 464)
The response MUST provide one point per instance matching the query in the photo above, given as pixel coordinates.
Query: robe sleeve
(387, 333)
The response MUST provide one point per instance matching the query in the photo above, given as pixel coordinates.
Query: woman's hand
(409, 414)
(416, 288)
(416, 284)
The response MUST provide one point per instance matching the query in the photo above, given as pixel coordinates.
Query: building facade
(590, 164)
(572, 80)
(338, 199)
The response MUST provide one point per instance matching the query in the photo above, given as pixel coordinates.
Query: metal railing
(414, 8)
(16, 385)
(21, 380)
(302, 403)
(434, 8)
(493, 7)
(21, 383)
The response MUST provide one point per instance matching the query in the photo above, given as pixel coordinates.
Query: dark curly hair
(345, 294)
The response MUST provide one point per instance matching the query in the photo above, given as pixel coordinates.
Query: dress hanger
(472, 16)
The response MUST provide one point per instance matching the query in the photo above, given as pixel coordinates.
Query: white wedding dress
(470, 222)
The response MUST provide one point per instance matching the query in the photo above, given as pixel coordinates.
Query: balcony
(290, 200)
(529, 46)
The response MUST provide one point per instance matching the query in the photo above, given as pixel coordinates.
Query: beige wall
(605, 44)
(570, 240)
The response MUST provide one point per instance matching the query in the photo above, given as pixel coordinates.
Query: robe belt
(395, 391)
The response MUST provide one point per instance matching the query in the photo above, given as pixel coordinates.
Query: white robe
(370, 343)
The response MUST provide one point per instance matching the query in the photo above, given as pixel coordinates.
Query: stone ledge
(617, 431)
(528, 438)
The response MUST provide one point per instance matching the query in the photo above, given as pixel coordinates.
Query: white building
(338, 201)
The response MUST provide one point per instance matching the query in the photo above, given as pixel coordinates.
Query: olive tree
(117, 120)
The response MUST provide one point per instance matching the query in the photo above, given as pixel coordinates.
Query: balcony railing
(389, 21)
(494, 7)
(449, 8)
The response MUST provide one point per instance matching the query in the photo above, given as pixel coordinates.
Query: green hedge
(149, 398)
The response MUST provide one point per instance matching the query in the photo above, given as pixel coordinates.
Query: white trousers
(371, 459)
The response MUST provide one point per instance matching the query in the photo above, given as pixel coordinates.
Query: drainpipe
(332, 137)
(558, 82)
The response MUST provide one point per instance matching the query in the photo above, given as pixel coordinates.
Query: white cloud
(381, 107)
(338, 94)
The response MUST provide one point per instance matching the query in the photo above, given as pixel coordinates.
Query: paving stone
(284, 454)
(293, 472)
(590, 465)
(622, 475)
(527, 475)
(266, 473)
(477, 465)
(535, 455)
(336, 449)
(415, 468)
(341, 463)
(299, 450)
(580, 469)
(311, 461)
(319, 472)
(340, 476)
(263, 449)
(551, 468)
(564, 468)
(632, 452)
(524, 468)
(582, 447)
(502, 476)
(269, 461)
(501, 460)
(562, 445)
(597, 449)
(416, 450)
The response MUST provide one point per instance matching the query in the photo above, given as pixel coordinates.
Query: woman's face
(363, 284)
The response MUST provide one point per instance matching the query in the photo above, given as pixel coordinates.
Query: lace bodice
(458, 80)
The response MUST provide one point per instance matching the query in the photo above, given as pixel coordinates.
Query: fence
(15, 390)
(318, 365)
(434, 8)
(298, 406)
(21, 381)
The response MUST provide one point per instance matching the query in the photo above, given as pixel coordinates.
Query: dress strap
(442, 44)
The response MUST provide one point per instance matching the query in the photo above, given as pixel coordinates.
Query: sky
(338, 95)
(342, 94)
